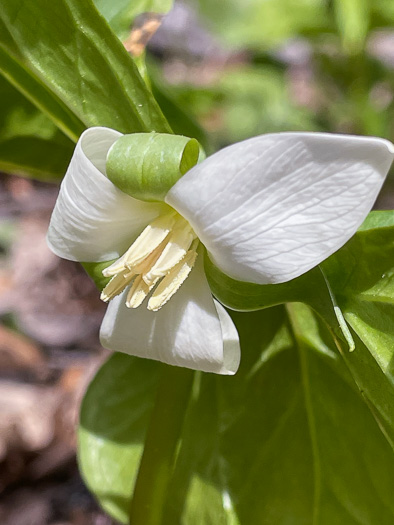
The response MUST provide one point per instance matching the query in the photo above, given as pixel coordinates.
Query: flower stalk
(158, 458)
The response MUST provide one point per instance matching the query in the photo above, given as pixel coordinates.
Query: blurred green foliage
(295, 65)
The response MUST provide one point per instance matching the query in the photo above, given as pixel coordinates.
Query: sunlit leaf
(114, 417)
(288, 439)
(359, 280)
(73, 67)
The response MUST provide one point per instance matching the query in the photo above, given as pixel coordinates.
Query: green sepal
(147, 165)
(95, 269)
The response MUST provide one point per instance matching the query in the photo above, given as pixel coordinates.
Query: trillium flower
(267, 210)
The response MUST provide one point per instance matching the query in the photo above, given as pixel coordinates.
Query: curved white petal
(93, 220)
(270, 208)
(188, 331)
(231, 348)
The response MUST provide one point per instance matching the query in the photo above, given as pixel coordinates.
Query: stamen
(138, 292)
(173, 281)
(177, 245)
(145, 243)
(147, 263)
(116, 285)
(166, 250)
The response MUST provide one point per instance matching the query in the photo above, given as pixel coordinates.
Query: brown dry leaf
(145, 26)
(18, 353)
(26, 416)
(55, 302)
(25, 509)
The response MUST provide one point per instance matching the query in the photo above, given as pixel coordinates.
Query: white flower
(267, 210)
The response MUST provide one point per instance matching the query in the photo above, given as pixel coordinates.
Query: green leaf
(73, 67)
(289, 439)
(361, 275)
(265, 24)
(363, 265)
(120, 14)
(147, 165)
(353, 21)
(114, 417)
(35, 158)
(30, 144)
(95, 269)
(355, 285)
(36, 92)
(310, 288)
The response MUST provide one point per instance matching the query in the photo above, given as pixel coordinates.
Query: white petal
(231, 348)
(188, 331)
(270, 208)
(93, 220)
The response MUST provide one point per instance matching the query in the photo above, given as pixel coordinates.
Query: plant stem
(161, 443)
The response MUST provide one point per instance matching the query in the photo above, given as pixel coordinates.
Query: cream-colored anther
(178, 243)
(172, 282)
(147, 263)
(116, 285)
(137, 293)
(145, 243)
(165, 249)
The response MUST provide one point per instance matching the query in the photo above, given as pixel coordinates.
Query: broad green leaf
(73, 67)
(358, 281)
(120, 14)
(30, 143)
(361, 275)
(363, 264)
(289, 439)
(114, 417)
(37, 93)
(36, 158)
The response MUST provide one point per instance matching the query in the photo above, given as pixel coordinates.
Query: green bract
(147, 165)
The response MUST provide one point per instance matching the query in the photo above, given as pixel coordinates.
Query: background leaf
(353, 21)
(120, 14)
(261, 25)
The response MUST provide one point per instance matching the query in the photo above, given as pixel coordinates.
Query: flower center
(165, 251)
